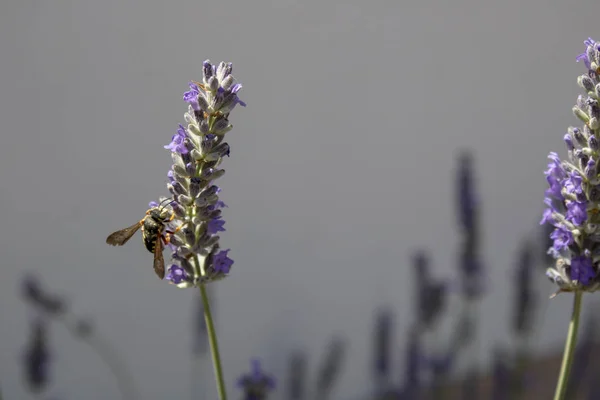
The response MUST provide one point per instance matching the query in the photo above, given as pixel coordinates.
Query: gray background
(342, 163)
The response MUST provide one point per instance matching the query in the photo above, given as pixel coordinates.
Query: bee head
(161, 212)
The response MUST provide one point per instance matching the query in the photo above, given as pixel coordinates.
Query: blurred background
(385, 187)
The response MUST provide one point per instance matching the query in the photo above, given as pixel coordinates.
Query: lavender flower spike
(197, 151)
(573, 196)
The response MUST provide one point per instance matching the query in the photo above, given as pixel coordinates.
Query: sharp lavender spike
(572, 200)
(197, 151)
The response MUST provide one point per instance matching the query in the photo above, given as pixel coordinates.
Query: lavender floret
(573, 198)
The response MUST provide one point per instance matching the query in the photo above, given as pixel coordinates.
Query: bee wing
(119, 238)
(159, 261)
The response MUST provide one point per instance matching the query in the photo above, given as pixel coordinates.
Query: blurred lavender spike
(413, 365)
(524, 300)
(468, 212)
(37, 357)
(467, 201)
(430, 295)
(53, 307)
(257, 384)
(501, 383)
(382, 336)
(33, 293)
(331, 367)
(297, 376)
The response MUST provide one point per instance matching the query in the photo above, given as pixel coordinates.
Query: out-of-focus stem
(107, 354)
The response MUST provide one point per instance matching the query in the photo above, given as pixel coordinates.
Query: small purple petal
(215, 225)
(177, 144)
(569, 141)
(582, 270)
(176, 274)
(576, 212)
(573, 183)
(562, 237)
(221, 262)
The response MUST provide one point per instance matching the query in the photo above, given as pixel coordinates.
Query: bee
(153, 234)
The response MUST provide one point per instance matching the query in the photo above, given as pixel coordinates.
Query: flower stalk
(213, 344)
(570, 343)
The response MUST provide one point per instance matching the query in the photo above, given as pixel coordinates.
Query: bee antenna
(169, 202)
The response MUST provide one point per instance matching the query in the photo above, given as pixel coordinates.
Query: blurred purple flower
(257, 384)
(37, 357)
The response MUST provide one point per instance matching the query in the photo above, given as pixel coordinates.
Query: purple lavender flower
(573, 198)
(191, 96)
(176, 274)
(257, 384)
(215, 225)
(178, 143)
(562, 237)
(582, 270)
(573, 183)
(221, 262)
(198, 149)
(576, 212)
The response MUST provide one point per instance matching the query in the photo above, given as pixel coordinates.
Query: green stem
(214, 347)
(567, 361)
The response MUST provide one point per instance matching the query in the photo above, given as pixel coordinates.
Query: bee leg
(168, 234)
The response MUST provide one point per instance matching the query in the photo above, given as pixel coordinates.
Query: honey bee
(153, 234)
